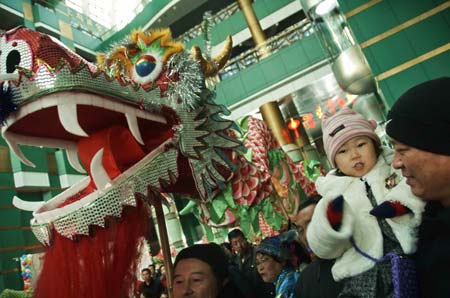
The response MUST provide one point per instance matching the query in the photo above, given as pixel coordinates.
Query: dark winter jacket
(316, 281)
(246, 276)
(433, 254)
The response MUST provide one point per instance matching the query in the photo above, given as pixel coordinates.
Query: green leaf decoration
(245, 220)
(275, 156)
(219, 205)
(208, 232)
(188, 208)
(248, 155)
(213, 215)
(227, 194)
(254, 218)
(312, 170)
(273, 218)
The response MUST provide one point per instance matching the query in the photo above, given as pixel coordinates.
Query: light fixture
(325, 7)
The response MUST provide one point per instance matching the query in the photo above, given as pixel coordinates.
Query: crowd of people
(379, 228)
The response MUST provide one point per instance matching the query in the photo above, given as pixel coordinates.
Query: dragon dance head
(140, 119)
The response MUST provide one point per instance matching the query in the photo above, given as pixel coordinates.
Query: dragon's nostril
(12, 61)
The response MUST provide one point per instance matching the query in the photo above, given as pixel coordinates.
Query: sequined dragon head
(140, 118)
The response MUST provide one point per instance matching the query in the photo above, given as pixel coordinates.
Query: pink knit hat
(343, 126)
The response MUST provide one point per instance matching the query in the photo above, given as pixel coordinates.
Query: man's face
(194, 278)
(304, 218)
(239, 245)
(146, 276)
(428, 174)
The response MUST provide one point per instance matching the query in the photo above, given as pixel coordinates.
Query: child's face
(356, 157)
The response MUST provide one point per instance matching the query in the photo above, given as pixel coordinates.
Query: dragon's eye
(145, 65)
(14, 54)
(147, 68)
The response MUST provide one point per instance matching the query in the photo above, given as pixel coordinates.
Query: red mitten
(390, 209)
(335, 212)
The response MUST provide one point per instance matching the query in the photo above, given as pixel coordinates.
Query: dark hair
(211, 253)
(146, 269)
(235, 234)
(152, 265)
(226, 245)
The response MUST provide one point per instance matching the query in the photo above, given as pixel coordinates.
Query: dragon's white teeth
(72, 157)
(67, 114)
(134, 127)
(98, 172)
(12, 143)
(26, 205)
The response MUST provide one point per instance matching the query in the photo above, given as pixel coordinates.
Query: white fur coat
(327, 243)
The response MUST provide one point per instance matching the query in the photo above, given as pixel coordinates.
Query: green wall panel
(11, 238)
(10, 217)
(368, 24)
(299, 56)
(6, 179)
(446, 15)
(46, 16)
(63, 164)
(393, 51)
(253, 80)
(14, 4)
(437, 66)
(234, 90)
(313, 49)
(371, 59)
(36, 156)
(404, 80)
(272, 69)
(295, 58)
(347, 5)
(405, 10)
(12, 281)
(421, 39)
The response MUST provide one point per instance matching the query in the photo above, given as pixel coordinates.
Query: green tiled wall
(271, 70)
(405, 45)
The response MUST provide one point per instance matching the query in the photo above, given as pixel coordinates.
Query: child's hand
(390, 209)
(335, 211)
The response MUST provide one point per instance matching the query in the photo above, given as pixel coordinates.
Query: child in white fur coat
(364, 199)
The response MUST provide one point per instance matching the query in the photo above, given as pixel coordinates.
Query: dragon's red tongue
(120, 151)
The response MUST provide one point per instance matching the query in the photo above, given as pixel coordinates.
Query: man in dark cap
(201, 271)
(419, 126)
(243, 264)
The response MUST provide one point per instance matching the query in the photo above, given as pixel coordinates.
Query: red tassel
(100, 266)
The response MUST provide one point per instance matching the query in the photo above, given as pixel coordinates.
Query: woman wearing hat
(274, 266)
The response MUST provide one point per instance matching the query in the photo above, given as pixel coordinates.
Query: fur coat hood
(327, 243)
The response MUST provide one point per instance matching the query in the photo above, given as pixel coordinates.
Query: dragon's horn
(211, 68)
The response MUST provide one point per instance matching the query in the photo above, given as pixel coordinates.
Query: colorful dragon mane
(141, 121)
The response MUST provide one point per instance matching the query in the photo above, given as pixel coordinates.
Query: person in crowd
(419, 126)
(243, 264)
(315, 279)
(162, 276)
(366, 208)
(150, 288)
(274, 266)
(201, 271)
(152, 269)
(164, 294)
